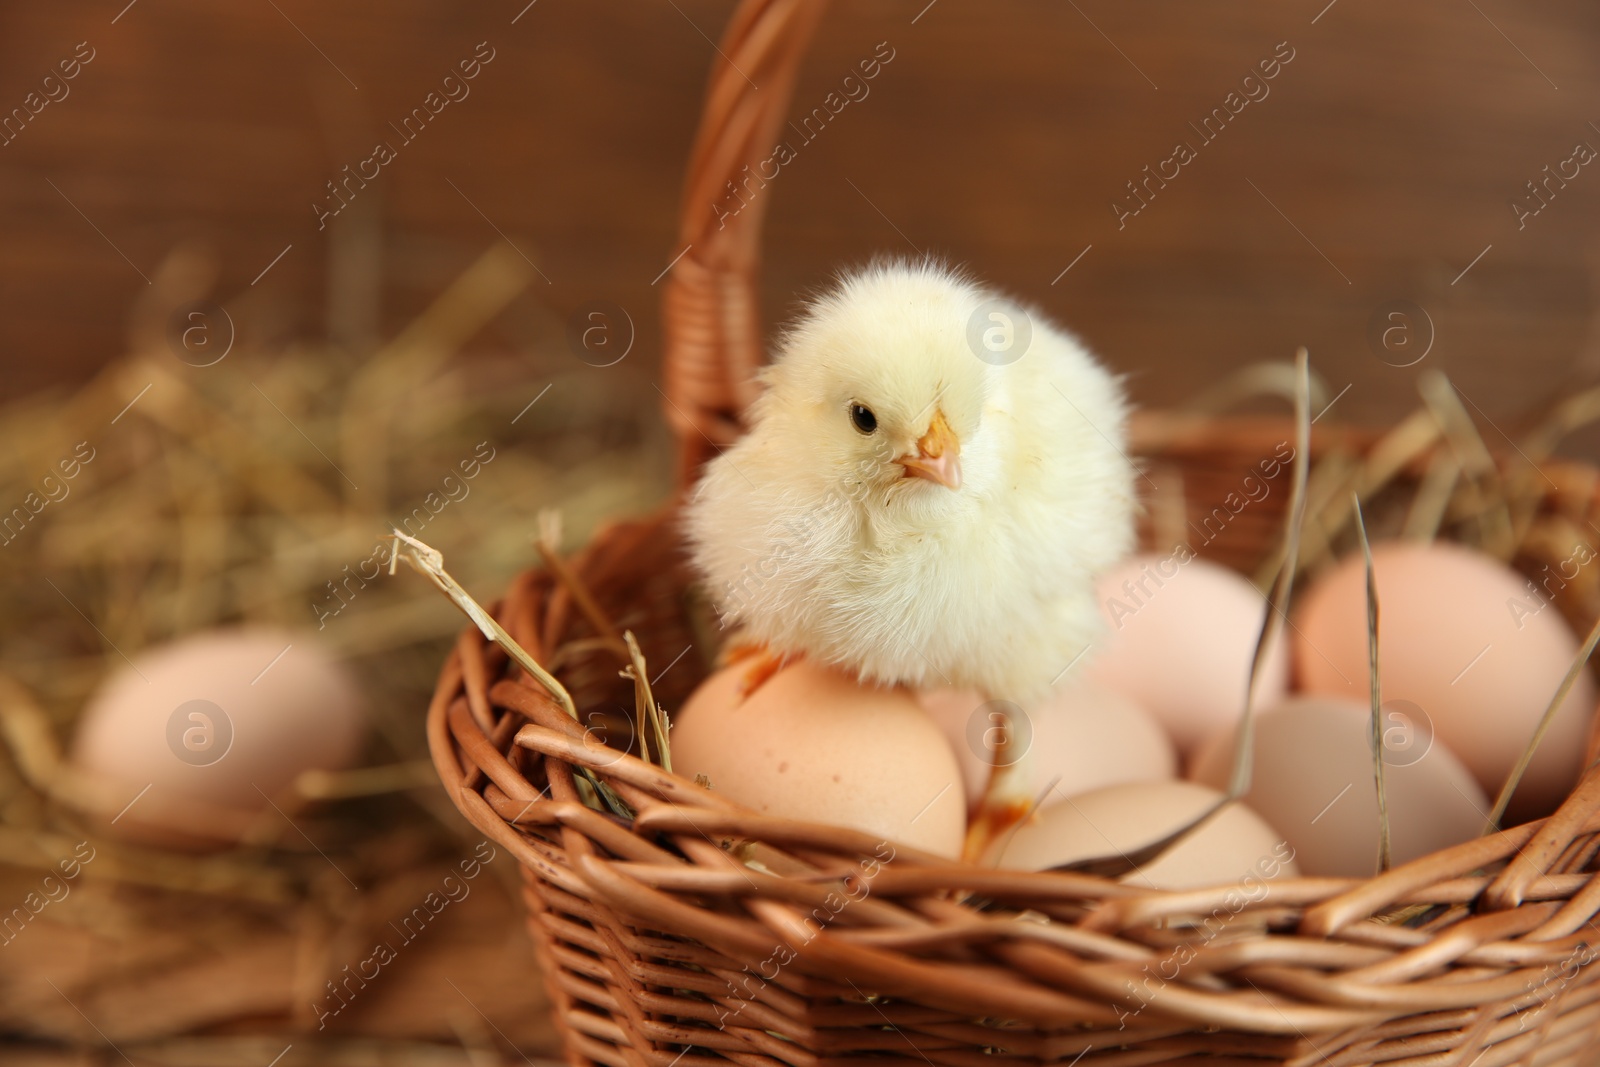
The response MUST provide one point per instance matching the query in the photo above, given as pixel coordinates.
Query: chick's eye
(862, 418)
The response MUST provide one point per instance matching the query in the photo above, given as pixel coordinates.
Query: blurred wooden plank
(998, 135)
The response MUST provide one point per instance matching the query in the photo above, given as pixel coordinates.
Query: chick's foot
(760, 663)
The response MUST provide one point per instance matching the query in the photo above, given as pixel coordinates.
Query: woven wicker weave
(663, 944)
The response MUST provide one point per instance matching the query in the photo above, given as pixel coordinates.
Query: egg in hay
(205, 732)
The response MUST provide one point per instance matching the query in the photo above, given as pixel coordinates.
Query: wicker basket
(660, 947)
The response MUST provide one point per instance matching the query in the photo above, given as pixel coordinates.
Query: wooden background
(1383, 163)
(1380, 167)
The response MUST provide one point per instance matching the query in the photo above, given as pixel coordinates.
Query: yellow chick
(932, 478)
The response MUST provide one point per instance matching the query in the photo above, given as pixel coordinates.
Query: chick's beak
(938, 457)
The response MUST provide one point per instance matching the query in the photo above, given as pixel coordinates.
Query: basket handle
(711, 304)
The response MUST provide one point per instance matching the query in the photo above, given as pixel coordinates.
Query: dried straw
(1375, 688)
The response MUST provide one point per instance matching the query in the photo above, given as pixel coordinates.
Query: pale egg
(1081, 736)
(1313, 771)
(1234, 846)
(216, 725)
(1461, 636)
(811, 743)
(1181, 633)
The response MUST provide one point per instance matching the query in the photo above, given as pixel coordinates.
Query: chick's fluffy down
(814, 540)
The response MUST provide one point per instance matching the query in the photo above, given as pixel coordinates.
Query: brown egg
(812, 744)
(214, 724)
(1313, 771)
(1181, 633)
(1081, 736)
(1235, 845)
(1460, 636)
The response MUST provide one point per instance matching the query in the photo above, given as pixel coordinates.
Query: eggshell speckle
(217, 719)
(1083, 735)
(812, 744)
(1233, 845)
(1181, 634)
(1459, 636)
(1313, 771)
